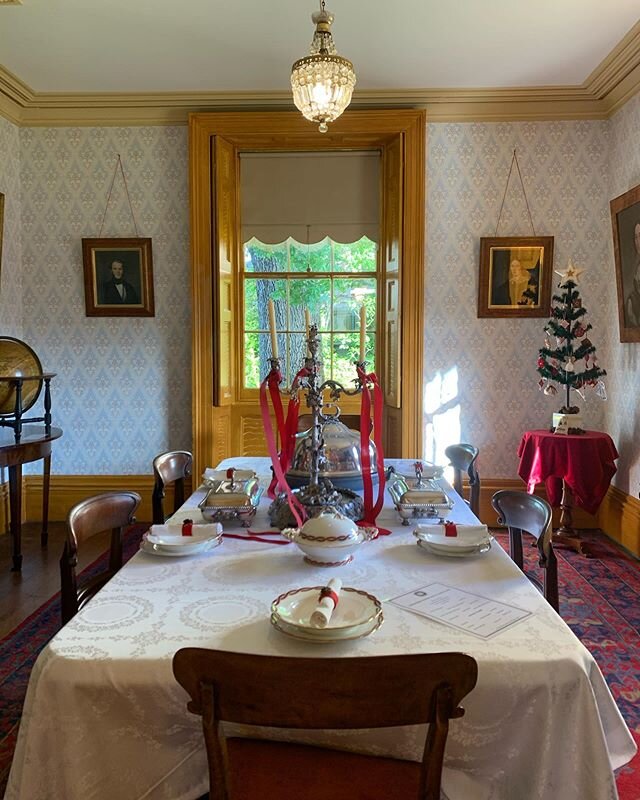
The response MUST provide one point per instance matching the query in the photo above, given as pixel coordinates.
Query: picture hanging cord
(515, 158)
(126, 188)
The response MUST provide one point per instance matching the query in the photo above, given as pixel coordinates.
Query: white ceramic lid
(331, 525)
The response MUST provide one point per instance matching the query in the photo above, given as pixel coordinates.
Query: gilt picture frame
(625, 221)
(515, 276)
(118, 277)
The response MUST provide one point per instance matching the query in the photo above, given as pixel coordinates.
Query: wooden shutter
(225, 182)
(391, 251)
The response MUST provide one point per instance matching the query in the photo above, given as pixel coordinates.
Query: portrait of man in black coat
(116, 290)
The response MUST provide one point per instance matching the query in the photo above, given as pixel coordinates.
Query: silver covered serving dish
(230, 498)
(341, 460)
(417, 497)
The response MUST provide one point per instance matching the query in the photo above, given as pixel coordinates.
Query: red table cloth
(584, 461)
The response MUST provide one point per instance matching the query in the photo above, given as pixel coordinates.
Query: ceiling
(148, 46)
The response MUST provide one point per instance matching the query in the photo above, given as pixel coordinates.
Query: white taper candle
(307, 325)
(272, 329)
(363, 332)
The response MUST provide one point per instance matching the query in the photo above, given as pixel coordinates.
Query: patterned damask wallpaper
(623, 408)
(480, 374)
(10, 273)
(123, 389)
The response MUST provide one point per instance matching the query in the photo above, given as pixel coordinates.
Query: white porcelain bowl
(330, 539)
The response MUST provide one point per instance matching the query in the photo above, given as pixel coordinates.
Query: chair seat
(264, 770)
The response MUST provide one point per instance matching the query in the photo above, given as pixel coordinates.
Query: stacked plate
(471, 540)
(163, 540)
(357, 614)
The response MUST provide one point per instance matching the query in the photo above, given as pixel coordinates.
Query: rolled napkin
(327, 601)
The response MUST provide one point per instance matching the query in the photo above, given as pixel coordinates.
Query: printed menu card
(459, 609)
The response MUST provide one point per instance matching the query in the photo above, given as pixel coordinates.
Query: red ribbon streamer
(371, 511)
(272, 381)
(252, 537)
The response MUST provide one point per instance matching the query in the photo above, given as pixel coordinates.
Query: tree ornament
(541, 362)
(570, 274)
(550, 389)
(601, 390)
(577, 302)
(586, 343)
(579, 331)
(569, 366)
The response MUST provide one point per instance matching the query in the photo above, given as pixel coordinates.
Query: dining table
(105, 718)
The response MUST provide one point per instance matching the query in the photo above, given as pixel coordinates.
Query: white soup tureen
(330, 539)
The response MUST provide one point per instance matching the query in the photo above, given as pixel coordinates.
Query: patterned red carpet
(599, 599)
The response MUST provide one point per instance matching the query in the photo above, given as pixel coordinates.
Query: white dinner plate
(468, 538)
(449, 552)
(171, 538)
(356, 632)
(196, 549)
(355, 609)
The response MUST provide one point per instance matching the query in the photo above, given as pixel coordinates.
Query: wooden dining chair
(463, 459)
(322, 693)
(173, 467)
(108, 511)
(522, 512)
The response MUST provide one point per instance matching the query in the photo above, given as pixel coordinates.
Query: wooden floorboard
(22, 593)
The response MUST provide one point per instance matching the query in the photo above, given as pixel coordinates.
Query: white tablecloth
(104, 717)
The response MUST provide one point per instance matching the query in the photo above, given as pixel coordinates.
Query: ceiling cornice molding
(610, 85)
(617, 66)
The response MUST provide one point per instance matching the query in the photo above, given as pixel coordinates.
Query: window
(333, 280)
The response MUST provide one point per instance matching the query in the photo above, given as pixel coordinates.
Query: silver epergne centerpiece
(318, 492)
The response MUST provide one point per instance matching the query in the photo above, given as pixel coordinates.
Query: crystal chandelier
(323, 81)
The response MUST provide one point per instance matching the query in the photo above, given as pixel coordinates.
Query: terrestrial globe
(18, 359)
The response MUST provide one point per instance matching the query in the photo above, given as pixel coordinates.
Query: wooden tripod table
(576, 470)
(34, 444)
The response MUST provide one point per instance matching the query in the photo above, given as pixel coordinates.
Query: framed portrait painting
(118, 277)
(625, 220)
(515, 276)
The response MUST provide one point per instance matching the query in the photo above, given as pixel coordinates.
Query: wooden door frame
(290, 131)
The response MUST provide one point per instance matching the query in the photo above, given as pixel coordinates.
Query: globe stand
(17, 419)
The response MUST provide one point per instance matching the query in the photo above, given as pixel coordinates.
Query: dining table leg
(566, 534)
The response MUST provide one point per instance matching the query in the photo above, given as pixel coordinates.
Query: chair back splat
(522, 512)
(463, 459)
(169, 468)
(325, 693)
(108, 511)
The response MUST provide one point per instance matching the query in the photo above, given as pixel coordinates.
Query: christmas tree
(572, 363)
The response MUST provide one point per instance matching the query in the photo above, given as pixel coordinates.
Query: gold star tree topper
(571, 273)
